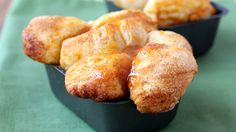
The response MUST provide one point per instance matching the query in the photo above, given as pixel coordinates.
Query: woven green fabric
(27, 103)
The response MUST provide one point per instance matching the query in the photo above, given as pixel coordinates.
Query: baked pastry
(169, 38)
(43, 36)
(130, 4)
(106, 40)
(100, 77)
(133, 25)
(117, 16)
(173, 12)
(98, 58)
(159, 77)
(124, 35)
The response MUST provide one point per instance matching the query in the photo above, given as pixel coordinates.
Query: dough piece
(99, 77)
(173, 12)
(43, 37)
(106, 40)
(159, 77)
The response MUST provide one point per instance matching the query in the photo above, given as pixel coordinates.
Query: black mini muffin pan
(200, 34)
(119, 116)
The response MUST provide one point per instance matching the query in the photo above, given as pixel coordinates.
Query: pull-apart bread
(117, 54)
(110, 38)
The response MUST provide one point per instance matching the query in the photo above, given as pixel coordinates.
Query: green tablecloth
(27, 103)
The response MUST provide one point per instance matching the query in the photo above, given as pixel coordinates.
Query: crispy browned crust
(100, 77)
(33, 47)
(127, 36)
(159, 77)
(173, 12)
(43, 36)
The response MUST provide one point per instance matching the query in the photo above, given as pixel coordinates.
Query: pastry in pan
(43, 37)
(108, 36)
(119, 53)
(101, 77)
(160, 76)
(106, 40)
(173, 12)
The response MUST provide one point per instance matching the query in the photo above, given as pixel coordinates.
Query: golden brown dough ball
(43, 36)
(173, 12)
(169, 38)
(159, 77)
(99, 77)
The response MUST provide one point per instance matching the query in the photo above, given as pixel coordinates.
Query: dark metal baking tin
(120, 116)
(200, 34)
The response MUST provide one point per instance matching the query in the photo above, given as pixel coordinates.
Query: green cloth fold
(27, 103)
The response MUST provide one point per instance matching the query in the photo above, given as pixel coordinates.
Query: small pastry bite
(130, 4)
(117, 16)
(159, 77)
(169, 38)
(127, 36)
(99, 77)
(173, 12)
(43, 37)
